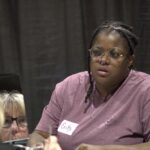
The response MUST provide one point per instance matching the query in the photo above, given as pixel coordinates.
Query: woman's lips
(102, 72)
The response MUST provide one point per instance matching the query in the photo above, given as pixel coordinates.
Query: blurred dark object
(17, 142)
(6, 147)
(10, 82)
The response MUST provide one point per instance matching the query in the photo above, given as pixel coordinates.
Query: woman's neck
(104, 92)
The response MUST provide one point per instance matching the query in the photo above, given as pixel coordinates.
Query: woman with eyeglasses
(2, 120)
(15, 125)
(106, 107)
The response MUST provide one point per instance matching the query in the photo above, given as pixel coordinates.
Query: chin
(102, 82)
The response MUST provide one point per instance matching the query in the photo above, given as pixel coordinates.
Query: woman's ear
(131, 61)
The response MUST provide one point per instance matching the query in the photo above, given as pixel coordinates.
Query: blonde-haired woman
(3, 146)
(15, 125)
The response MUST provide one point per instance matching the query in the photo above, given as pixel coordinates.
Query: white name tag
(67, 127)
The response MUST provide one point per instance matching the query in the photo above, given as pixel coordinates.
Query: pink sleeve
(146, 118)
(51, 113)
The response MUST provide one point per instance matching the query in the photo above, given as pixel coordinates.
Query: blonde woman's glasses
(21, 121)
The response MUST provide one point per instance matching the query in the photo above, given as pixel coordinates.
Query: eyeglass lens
(113, 52)
(21, 121)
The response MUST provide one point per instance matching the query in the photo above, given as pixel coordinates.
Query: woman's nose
(14, 126)
(104, 59)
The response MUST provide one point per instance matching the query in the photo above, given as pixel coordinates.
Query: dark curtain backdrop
(44, 41)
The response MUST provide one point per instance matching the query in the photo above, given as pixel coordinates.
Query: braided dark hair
(124, 30)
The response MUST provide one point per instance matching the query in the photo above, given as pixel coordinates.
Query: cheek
(93, 65)
(5, 134)
(92, 68)
(122, 65)
(119, 70)
(23, 129)
(4, 130)
(23, 132)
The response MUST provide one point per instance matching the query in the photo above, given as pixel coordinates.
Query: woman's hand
(52, 144)
(107, 147)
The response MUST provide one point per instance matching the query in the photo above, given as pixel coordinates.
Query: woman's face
(110, 68)
(15, 126)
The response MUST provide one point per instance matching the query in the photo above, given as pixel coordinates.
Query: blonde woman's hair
(15, 99)
(1, 115)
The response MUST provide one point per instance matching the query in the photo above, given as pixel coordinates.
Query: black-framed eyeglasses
(114, 53)
(21, 121)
